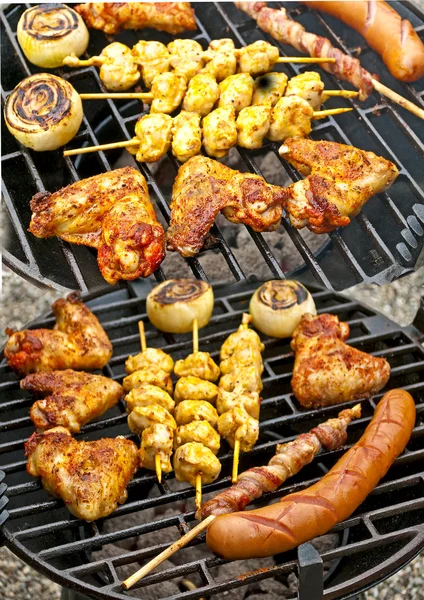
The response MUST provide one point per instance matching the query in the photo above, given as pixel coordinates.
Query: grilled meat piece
(186, 57)
(73, 398)
(194, 459)
(288, 460)
(90, 477)
(198, 364)
(194, 388)
(339, 180)
(148, 394)
(203, 188)
(151, 358)
(237, 424)
(111, 17)
(78, 341)
(154, 59)
(326, 370)
(198, 431)
(195, 410)
(157, 377)
(111, 212)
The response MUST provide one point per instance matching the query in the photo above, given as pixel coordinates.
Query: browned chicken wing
(339, 180)
(110, 17)
(77, 341)
(73, 398)
(326, 370)
(203, 188)
(111, 212)
(90, 477)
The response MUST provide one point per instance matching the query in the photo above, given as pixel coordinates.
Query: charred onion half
(278, 305)
(43, 112)
(173, 305)
(49, 32)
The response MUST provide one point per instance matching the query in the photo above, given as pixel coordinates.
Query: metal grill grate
(384, 533)
(384, 242)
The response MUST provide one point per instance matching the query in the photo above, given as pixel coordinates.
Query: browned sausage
(385, 31)
(304, 515)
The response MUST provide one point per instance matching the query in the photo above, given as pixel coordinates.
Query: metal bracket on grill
(311, 573)
(419, 318)
(3, 501)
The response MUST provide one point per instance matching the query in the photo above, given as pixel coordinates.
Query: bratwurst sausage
(385, 31)
(304, 515)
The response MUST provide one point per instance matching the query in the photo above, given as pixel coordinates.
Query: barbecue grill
(383, 243)
(383, 534)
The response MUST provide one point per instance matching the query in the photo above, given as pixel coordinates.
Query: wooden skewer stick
(304, 59)
(128, 583)
(119, 96)
(398, 99)
(195, 336)
(342, 93)
(142, 336)
(319, 114)
(158, 468)
(236, 461)
(198, 490)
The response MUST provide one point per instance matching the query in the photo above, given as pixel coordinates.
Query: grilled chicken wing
(148, 394)
(239, 398)
(203, 188)
(290, 117)
(155, 133)
(186, 57)
(198, 431)
(257, 58)
(157, 377)
(219, 131)
(151, 358)
(237, 424)
(90, 477)
(198, 364)
(111, 17)
(195, 410)
(194, 388)
(73, 398)
(186, 136)
(236, 91)
(340, 180)
(194, 459)
(154, 59)
(221, 59)
(168, 90)
(201, 95)
(269, 88)
(78, 341)
(252, 126)
(111, 212)
(326, 370)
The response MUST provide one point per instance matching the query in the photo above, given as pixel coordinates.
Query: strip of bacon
(289, 459)
(285, 30)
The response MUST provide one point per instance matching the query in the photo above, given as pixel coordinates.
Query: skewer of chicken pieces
(238, 401)
(196, 440)
(150, 405)
(248, 111)
(121, 67)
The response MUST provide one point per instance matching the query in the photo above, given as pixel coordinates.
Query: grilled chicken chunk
(326, 370)
(198, 431)
(201, 95)
(219, 131)
(111, 212)
(198, 364)
(118, 72)
(111, 17)
(243, 336)
(221, 59)
(157, 377)
(269, 88)
(77, 341)
(203, 188)
(154, 131)
(168, 90)
(252, 126)
(308, 86)
(186, 57)
(148, 394)
(73, 398)
(154, 59)
(291, 117)
(90, 477)
(143, 417)
(239, 398)
(236, 91)
(339, 181)
(186, 136)
(153, 358)
(237, 424)
(194, 459)
(257, 58)
(247, 379)
(157, 440)
(194, 388)
(195, 410)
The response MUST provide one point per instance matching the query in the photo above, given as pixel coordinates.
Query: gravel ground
(22, 302)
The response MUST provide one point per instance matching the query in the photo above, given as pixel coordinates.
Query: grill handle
(3, 501)
(311, 573)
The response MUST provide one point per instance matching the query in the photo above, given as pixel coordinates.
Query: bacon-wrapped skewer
(289, 459)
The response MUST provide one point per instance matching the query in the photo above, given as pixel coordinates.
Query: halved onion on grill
(173, 305)
(49, 32)
(43, 112)
(278, 305)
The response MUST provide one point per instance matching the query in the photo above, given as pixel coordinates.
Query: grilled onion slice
(43, 112)
(49, 32)
(278, 305)
(173, 305)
